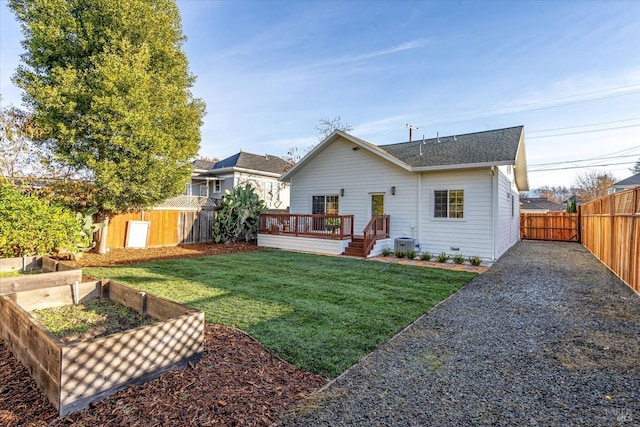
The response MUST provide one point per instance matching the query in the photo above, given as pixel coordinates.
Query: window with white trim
(448, 204)
(204, 190)
(217, 186)
(324, 205)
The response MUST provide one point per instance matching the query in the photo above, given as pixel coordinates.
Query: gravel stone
(547, 336)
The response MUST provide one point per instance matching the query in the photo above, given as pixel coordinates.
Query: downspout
(419, 219)
(494, 210)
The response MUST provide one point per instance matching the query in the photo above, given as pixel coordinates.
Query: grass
(321, 313)
(16, 273)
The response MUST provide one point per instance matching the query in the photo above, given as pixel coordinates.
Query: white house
(211, 179)
(632, 182)
(457, 194)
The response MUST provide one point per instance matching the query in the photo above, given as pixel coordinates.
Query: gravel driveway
(547, 336)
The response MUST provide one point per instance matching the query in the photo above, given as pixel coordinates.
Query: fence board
(555, 226)
(167, 227)
(611, 231)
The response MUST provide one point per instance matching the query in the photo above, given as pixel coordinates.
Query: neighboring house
(457, 194)
(211, 179)
(632, 182)
(540, 205)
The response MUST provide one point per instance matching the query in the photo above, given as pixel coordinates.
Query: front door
(377, 208)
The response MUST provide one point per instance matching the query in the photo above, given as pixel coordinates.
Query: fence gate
(555, 226)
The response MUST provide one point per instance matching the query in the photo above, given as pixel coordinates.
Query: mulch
(236, 383)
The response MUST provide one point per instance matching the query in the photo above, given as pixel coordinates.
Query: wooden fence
(166, 227)
(611, 231)
(555, 226)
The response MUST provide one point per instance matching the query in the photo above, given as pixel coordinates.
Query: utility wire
(584, 160)
(581, 167)
(585, 125)
(584, 131)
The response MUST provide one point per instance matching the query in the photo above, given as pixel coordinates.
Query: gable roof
(266, 163)
(631, 181)
(480, 149)
(203, 164)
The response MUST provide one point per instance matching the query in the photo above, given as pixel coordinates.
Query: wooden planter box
(73, 375)
(53, 273)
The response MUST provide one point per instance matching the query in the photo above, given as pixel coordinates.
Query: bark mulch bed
(237, 382)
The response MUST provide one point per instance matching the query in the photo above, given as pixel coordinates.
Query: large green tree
(109, 84)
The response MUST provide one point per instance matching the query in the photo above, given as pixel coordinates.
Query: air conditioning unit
(405, 244)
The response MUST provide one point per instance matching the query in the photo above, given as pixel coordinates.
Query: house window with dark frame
(324, 205)
(217, 186)
(448, 204)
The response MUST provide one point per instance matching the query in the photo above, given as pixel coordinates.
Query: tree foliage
(239, 215)
(327, 126)
(19, 156)
(593, 185)
(636, 167)
(109, 84)
(32, 226)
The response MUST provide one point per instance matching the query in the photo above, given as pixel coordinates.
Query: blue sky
(270, 70)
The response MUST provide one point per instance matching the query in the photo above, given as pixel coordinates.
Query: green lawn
(321, 313)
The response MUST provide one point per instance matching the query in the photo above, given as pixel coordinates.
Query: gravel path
(547, 336)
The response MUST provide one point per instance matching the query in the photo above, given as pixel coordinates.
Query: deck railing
(335, 227)
(377, 228)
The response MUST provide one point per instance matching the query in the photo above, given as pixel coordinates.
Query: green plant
(411, 254)
(333, 224)
(443, 257)
(32, 226)
(386, 252)
(458, 259)
(400, 253)
(239, 215)
(475, 260)
(321, 313)
(88, 229)
(426, 256)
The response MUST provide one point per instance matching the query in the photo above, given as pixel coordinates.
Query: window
(204, 190)
(448, 204)
(324, 205)
(217, 186)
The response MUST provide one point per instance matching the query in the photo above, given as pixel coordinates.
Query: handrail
(336, 227)
(377, 228)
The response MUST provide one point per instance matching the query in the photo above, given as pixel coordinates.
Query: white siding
(360, 173)
(508, 225)
(472, 235)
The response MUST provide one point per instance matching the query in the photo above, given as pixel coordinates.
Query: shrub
(400, 253)
(31, 226)
(442, 257)
(475, 260)
(386, 252)
(411, 254)
(426, 256)
(239, 215)
(458, 259)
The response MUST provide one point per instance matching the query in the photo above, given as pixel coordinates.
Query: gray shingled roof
(541, 204)
(632, 180)
(203, 164)
(190, 202)
(268, 163)
(492, 146)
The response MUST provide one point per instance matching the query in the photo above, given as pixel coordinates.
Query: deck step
(355, 248)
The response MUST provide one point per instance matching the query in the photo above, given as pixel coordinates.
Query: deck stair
(356, 247)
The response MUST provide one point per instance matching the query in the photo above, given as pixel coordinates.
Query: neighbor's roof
(493, 146)
(257, 162)
(631, 181)
(540, 203)
(190, 202)
(472, 150)
(203, 164)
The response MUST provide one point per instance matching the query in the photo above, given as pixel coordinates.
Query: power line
(584, 160)
(585, 125)
(584, 131)
(581, 167)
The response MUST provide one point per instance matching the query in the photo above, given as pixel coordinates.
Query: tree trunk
(102, 234)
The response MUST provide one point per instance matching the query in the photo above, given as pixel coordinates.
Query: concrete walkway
(547, 336)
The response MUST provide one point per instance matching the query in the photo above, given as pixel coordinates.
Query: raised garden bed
(74, 374)
(37, 270)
